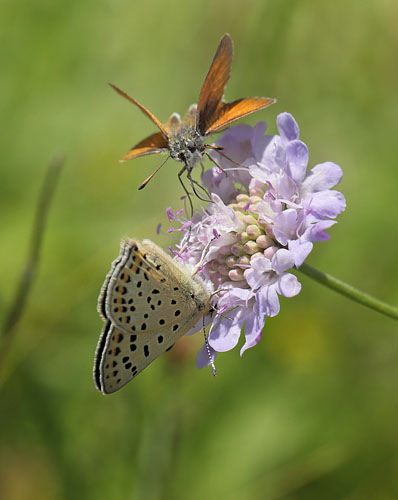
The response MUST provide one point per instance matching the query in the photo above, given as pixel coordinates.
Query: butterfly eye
(191, 149)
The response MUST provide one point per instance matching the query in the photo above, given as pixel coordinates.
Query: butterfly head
(187, 146)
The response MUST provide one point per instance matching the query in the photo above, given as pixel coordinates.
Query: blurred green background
(311, 412)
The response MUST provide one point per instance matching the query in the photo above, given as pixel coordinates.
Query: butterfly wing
(214, 84)
(148, 291)
(155, 143)
(121, 357)
(101, 299)
(143, 109)
(228, 112)
(148, 303)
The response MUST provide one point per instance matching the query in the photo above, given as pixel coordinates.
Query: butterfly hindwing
(155, 143)
(120, 357)
(228, 112)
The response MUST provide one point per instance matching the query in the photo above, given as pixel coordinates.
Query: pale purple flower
(265, 216)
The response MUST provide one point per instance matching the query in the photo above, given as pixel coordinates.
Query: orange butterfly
(185, 139)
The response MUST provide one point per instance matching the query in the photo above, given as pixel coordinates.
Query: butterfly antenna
(211, 362)
(150, 177)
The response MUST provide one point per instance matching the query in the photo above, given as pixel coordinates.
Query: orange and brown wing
(155, 143)
(214, 84)
(143, 109)
(228, 112)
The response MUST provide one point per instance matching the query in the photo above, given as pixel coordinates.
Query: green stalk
(349, 291)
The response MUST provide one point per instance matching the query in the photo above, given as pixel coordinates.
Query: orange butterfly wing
(143, 109)
(228, 112)
(214, 84)
(155, 143)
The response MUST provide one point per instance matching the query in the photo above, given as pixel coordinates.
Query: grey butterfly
(148, 301)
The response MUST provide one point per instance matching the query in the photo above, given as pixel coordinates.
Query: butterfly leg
(195, 183)
(216, 164)
(184, 168)
(221, 153)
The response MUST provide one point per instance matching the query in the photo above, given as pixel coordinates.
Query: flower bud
(237, 249)
(264, 241)
(225, 250)
(270, 252)
(269, 231)
(236, 274)
(254, 200)
(251, 247)
(249, 219)
(243, 261)
(253, 231)
(221, 258)
(242, 206)
(242, 197)
(262, 223)
(231, 260)
(256, 188)
(242, 237)
(223, 270)
(252, 208)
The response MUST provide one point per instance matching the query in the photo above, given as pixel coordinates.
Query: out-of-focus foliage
(310, 413)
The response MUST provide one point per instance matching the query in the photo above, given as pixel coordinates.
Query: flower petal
(288, 285)
(217, 183)
(253, 330)
(297, 160)
(285, 226)
(327, 204)
(261, 265)
(268, 301)
(224, 334)
(300, 250)
(282, 260)
(321, 177)
(202, 359)
(317, 231)
(287, 126)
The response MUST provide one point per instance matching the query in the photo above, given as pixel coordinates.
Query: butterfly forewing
(228, 112)
(214, 84)
(102, 296)
(155, 143)
(147, 290)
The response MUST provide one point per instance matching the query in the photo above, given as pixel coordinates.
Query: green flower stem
(349, 291)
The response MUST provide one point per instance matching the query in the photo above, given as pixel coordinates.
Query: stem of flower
(349, 291)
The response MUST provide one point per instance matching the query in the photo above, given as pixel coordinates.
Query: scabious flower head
(265, 216)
